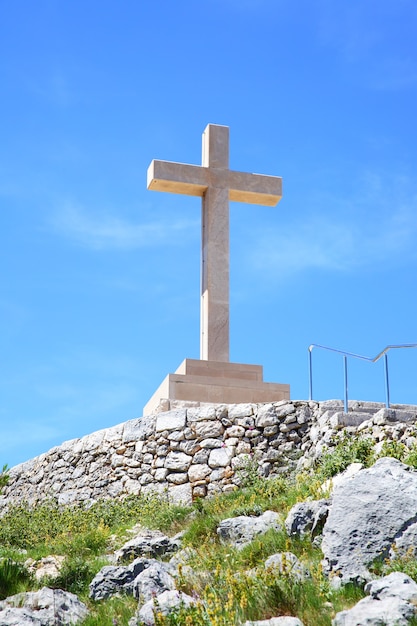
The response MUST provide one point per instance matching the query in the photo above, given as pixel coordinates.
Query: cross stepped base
(216, 382)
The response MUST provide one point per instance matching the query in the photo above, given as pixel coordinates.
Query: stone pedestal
(216, 382)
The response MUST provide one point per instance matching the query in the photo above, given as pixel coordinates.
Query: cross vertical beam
(214, 335)
(216, 184)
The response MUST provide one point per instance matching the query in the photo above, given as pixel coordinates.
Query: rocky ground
(363, 517)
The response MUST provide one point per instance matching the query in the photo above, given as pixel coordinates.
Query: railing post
(387, 400)
(310, 375)
(346, 402)
(384, 354)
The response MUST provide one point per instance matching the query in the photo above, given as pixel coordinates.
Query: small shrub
(406, 563)
(4, 477)
(411, 457)
(348, 449)
(394, 449)
(75, 575)
(248, 473)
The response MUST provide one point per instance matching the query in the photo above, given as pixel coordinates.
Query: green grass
(230, 585)
(115, 611)
(13, 578)
(48, 528)
(360, 449)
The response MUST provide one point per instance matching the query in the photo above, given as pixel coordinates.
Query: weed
(348, 449)
(116, 611)
(4, 477)
(75, 575)
(14, 577)
(248, 472)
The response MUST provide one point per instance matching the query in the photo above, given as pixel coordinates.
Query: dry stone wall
(195, 452)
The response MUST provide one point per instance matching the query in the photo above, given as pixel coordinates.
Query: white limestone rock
(220, 457)
(177, 478)
(167, 601)
(392, 601)
(201, 413)
(243, 529)
(241, 410)
(178, 461)
(266, 416)
(207, 429)
(47, 567)
(46, 607)
(181, 494)
(138, 429)
(235, 431)
(154, 580)
(172, 420)
(284, 408)
(211, 443)
(307, 517)
(198, 472)
(381, 502)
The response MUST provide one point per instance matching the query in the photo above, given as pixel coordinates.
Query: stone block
(217, 382)
(177, 478)
(173, 420)
(138, 429)
(266, 416)
(178, 461)
(208, 429)
(181, 494)
(220, 457)
(198, 472)
(341, 419)
(211, 443)
(240, 410)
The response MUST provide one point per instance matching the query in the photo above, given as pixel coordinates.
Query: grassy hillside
(231, 585)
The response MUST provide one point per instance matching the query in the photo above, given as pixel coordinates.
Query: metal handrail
(345, 354)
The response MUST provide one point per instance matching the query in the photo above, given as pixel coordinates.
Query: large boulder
(148, 543)
(154, 580)
(369, 512)
(46, 607)
(113, 579)
(243, 529)
(392, 602)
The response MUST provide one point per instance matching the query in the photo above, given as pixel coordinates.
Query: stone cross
(216, 184)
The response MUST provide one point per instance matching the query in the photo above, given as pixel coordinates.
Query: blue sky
(99, 292)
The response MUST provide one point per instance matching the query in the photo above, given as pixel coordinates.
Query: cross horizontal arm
(191, 180)
(255, 188)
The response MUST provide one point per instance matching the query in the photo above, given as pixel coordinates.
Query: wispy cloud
(12, 434)
(371, 237)
(70, 394)
(105, 231)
